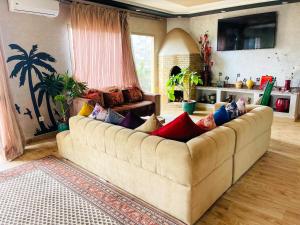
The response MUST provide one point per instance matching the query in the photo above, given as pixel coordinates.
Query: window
(143, 53)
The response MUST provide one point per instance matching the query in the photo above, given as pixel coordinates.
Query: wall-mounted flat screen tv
(247, 32)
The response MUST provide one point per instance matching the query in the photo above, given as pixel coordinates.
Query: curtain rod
(131, 12)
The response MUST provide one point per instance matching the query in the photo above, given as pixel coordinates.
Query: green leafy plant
(185, 81)
(71, 89)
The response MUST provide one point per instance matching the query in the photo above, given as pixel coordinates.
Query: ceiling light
(138, 10)
(223, 11)
(285, 2)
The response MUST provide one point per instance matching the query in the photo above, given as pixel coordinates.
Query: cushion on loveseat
(133, 94)
(113, 98)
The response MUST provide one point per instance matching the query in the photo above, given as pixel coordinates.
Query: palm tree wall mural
(29, 64)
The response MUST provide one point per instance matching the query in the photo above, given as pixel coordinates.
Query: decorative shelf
(253, 95)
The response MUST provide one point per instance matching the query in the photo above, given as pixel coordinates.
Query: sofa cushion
(241, 105)
(181, 129)
(133, 94)
(131, 121)
(221, 116)
(113, 98)
(95, 96)
(207, 123)
(232, 110)
(113, 117)
(150, 125)
(99, 113)
(86, 109)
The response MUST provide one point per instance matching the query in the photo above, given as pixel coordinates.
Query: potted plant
(185, 80)
(71, 89)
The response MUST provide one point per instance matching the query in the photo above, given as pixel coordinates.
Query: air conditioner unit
(48, 8)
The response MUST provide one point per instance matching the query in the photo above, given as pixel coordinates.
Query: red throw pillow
(181, 129)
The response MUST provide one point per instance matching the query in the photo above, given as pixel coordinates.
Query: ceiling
(189, 8)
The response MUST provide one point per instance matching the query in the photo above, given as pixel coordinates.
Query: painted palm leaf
(19, 49)
(44, 56)
(18, 68)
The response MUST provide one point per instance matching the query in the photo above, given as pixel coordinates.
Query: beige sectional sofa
(182, 179)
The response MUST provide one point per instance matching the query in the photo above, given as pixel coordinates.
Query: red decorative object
(180, 129)
(264, 80)
(205, 51)
(287, 85)
(282, 105)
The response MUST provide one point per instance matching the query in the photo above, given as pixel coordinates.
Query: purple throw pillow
(131, 121)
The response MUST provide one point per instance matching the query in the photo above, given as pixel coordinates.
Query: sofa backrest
(184, 163)
(249, 126)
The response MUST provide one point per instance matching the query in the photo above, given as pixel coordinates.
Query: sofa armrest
(155, 98)
(210, 150)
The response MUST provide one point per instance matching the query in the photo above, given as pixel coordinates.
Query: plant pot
(189, 106)
(62, 126)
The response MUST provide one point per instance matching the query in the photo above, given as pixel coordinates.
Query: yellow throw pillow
(150, 125)
(86, 110)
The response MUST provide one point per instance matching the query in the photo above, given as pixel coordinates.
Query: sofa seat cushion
(130, 106)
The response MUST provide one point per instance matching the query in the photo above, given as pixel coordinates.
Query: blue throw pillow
(221, 116)
(232, 110)
(113, 117)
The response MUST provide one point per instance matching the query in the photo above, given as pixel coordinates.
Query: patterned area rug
(53, 191)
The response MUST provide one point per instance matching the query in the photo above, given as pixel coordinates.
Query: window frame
(153, 55)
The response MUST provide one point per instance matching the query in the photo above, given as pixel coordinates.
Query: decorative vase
(287, 85)
(206, 76)
(250, 84)
(282, 104)
(239, 84)
(189, 106)
(62, 126)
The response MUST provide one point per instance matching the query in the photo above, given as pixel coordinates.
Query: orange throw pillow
(207, 123)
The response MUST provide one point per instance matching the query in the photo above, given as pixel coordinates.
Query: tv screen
(247, 32)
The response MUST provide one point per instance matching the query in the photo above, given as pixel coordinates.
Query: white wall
(278, 62)
(51, 36)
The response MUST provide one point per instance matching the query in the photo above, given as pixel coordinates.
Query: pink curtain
(101, 47)
(12, 140)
